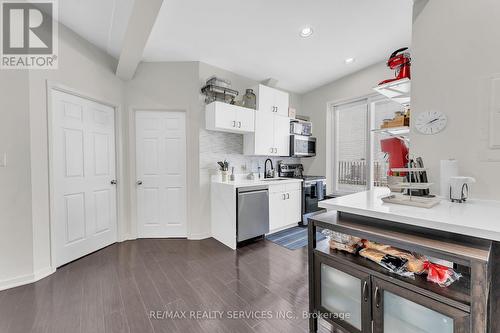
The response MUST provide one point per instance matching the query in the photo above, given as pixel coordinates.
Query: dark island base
(473, 302)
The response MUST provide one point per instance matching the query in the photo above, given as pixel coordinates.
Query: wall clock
(430, 122)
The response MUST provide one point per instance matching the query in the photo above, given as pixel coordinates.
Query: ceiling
(258, 39)
(101, 22)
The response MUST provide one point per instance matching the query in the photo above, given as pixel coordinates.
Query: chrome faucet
(266, 174)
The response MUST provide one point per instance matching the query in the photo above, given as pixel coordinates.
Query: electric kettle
(459, 188)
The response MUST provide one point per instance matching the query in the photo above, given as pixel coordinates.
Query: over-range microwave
(302, 146)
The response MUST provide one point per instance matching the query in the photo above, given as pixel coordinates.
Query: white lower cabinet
(285, 205)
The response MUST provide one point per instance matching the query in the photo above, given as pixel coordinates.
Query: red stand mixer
(401, 62)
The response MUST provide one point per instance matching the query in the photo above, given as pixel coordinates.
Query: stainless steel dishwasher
(253, 212)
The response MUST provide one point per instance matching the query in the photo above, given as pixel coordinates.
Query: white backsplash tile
(220, 146)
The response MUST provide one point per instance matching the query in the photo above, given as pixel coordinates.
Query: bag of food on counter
(415, 262)
(372, 254)
(375, 246)
(391, 263)
(343, 247)
(442, 275)
(341, 238)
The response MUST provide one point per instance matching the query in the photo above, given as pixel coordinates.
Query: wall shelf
(398, 91)
(393, 131)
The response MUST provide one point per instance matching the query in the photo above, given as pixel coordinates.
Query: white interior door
(161, 173)
(83, 176)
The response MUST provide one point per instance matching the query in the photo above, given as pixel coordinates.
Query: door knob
(113, 182)
(139, 182)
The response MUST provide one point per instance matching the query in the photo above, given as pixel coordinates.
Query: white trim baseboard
(26, 279)
(199, 236)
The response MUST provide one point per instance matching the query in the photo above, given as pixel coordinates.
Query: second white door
(161, 174)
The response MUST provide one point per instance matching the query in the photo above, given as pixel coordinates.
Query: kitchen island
(463, 235)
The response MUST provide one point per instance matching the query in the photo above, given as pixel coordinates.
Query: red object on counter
(397, 151)
(442, 275)
(400, 61)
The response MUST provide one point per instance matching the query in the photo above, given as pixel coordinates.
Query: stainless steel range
(313, 188)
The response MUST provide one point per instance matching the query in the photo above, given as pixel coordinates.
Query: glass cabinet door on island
(343, 294)
(397, 309)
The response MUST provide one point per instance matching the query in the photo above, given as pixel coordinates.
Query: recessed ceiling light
(349, 61)
(306, 31)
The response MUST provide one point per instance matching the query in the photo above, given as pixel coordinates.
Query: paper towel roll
(448, 169)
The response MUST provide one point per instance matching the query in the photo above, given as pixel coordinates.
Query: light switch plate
(3, 160)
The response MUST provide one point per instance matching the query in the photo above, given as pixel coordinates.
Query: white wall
(24, 221)
(16, 248)
(455, 53)
(314, 105)
(168, 86)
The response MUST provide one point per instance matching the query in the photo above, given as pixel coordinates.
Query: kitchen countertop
(243, 182)
(477, 218)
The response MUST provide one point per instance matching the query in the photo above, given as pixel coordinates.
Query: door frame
(132, 137)
(120, 194)
(331, 137)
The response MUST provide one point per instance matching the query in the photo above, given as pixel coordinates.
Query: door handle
(365, 290)
(288, 195)
(377, 297)
(239, 124)
(234, 123)
(139, 182)
(272, 150)
(113, 182)
(284, 196)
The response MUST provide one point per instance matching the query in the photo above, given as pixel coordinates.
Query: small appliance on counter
(459, 188)
(313, 189)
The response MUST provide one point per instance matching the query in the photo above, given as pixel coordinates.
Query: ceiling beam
(140, 25)
(418, 7)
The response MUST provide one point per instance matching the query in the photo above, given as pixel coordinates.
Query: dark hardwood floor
(116, 290)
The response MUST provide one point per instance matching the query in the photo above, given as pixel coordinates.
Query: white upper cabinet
(225, 117)
(272, 125)
(281, 135)
(271, 136)
(263, 143)
(272, 100)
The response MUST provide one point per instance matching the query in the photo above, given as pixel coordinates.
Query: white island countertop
(477, 218)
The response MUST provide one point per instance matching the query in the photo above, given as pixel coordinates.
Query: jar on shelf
(249, 99)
